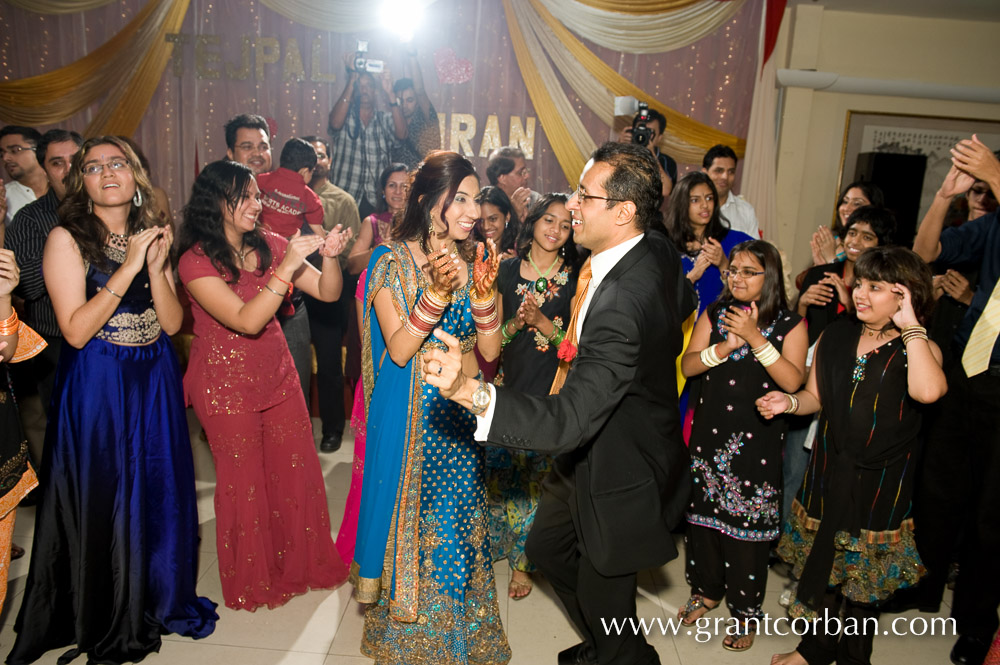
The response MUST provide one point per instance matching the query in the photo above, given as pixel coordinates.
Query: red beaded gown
(273, 525)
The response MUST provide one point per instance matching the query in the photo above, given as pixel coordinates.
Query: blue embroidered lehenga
(422, 559)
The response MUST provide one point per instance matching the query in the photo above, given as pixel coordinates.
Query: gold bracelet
(793, 403)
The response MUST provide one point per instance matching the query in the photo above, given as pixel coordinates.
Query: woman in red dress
(273, 529)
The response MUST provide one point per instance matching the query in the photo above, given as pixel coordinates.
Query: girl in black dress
(849, 536)
(744, 345)
(537, 288)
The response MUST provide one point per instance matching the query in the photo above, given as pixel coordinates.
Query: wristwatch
(481, 398)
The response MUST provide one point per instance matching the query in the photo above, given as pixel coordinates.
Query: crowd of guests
(512, 358)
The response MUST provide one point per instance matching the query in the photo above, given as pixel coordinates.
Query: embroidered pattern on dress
(131, 328)
(723, 488)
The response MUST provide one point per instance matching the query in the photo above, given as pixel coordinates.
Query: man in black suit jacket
(620, 479)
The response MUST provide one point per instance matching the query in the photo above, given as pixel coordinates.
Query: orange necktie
(582, 285)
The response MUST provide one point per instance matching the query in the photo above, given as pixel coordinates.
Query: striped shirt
(361, 153)
(26, 236)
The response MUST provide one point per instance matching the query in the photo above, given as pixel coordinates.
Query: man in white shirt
(28, 180)
(720, 165)
(620, 476)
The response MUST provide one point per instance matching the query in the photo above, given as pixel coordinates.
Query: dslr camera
(365, 64)
(641, 133)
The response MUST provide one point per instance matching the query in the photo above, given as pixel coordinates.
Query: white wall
(869, 46)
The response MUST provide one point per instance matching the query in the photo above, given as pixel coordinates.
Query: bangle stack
(557, 336)
(766, 354)
(710, 359)
(508, 337)
(484, 313)
(793, 403)
(426, 314)
(9, 325)
(910, 333)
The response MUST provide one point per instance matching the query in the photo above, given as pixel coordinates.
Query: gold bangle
(766, 354)
(268, 287)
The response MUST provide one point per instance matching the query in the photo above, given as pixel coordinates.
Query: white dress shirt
(600, 265)
(741, 215)
(18, 196)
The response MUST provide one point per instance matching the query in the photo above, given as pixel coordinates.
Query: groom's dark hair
(636, 178)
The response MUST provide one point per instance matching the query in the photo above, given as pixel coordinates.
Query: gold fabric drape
(647, 31)
(570, 157)
(678, 124)
(105, 72)
(58, 6)
(641, 7)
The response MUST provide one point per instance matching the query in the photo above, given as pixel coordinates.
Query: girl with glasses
(744, 345)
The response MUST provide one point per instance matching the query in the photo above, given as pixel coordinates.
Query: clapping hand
(530, 313)
(823, 245)
(335, 241)
(837, 282)
(484, 270)
(441, 271)
(976, 159)
(10, 274)
(299, 247)
(138, 246)
(712, 250)
(957, 286)
(159, 250)
(741, 322)
(772, 404)
(701, 262)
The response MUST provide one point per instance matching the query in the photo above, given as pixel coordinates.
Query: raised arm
(221, 302)
(423, 101)
(65, 278)
(325, 285)
(338, 114)
(161, 283)
(927, 243)
(361, 252)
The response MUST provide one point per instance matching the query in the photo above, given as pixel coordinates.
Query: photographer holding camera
(646, 130)
(361, 134)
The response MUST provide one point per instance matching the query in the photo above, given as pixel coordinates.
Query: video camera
(641, 133)
(363, 64)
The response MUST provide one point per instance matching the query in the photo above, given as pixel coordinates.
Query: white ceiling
(986, 10)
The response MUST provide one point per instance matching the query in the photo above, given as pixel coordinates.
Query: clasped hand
(740, 322)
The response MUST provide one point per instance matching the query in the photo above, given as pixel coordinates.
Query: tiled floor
(324, 627)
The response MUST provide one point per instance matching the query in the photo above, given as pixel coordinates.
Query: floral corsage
(567, 350)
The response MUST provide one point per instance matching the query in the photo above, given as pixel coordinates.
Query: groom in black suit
(620, 477)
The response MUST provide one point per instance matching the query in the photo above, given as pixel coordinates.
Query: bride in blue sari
(423, 559)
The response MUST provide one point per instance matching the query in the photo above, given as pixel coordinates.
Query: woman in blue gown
(115, 552)
(423, 559)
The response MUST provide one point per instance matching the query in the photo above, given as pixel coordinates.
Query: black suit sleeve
(602, 372)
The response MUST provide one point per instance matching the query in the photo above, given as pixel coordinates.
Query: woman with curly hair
(273, 528)
(849, 536)
(115, 552)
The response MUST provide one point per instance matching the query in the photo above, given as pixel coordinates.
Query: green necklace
(542, 284)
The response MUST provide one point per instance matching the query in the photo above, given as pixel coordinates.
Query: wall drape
(104, 72)
(59, 6)
(644, 33)
(638, 6)
(334, 15)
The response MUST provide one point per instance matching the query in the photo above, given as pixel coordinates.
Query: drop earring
(90, 206)
(137, 199)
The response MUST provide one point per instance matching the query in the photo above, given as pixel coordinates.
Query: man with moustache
(508, 170)
(28, 181)
(248, 141)
(620, 476)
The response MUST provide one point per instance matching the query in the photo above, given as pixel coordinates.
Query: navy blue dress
(115, 552)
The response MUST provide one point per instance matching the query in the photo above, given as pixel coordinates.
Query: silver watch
(481, 398)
